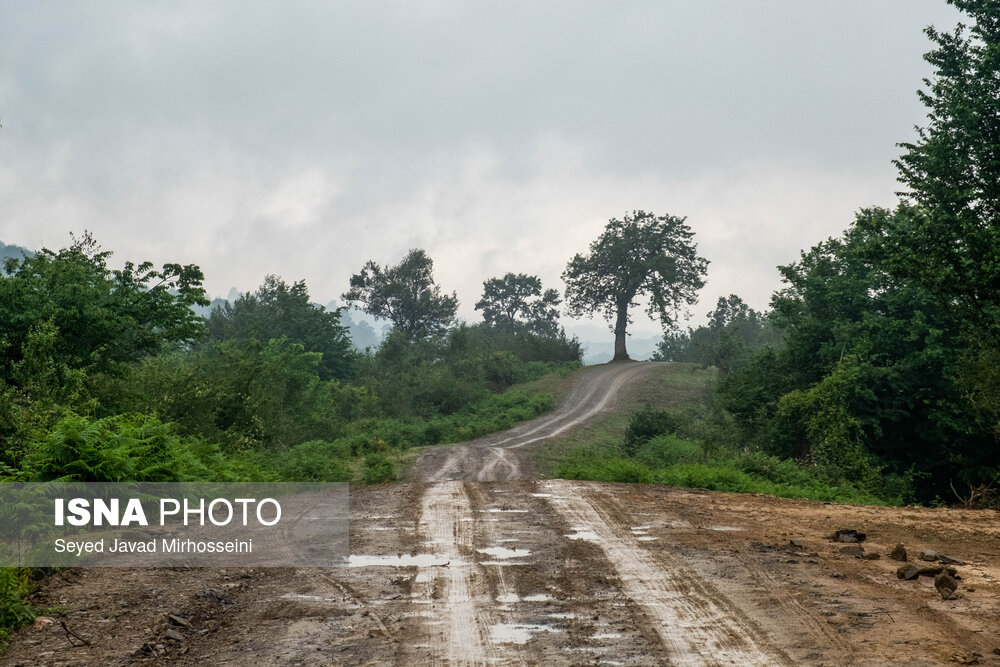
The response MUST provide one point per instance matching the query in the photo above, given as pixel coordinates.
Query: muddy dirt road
(504, 456)
(477, 564)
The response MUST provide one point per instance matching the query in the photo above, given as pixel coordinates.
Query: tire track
(697, 625)
(450, 591)
(491, 458)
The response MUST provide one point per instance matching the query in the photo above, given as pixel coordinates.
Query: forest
(874, 376)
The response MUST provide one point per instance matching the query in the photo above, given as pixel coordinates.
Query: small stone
(971, 589)
(853, 550)
(174, 634)
(179, 620)
(907, 572)
(935, 570)
(795, 543)
(949, 560)
(898, 553)
(871, 555)
(929, 555)
(946, 586)
(849, 536)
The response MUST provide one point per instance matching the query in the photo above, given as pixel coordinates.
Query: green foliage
(517, 302)
(641, 255)
(313, 461)
(279, 310)
(243, 394)
(735, 332)
(646, 425)
(679, 462)
(104, 318)
(378, 469)
(405, 294)
(123, 448)
(14, 608)
(667, 450)
(867, 377)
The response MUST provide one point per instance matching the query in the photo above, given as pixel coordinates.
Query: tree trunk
(622, 321)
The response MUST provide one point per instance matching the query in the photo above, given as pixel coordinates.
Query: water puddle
(326, 599)
(581, 534)
(494, 510)
(517, 633)
(607, 635)
(724, 528)
(511, 598)
(646, 538)
(503, 553)
(402, 560)
(541, 495)
(502, 562)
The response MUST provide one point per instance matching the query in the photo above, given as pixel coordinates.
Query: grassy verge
(663, 433)
(675, 387)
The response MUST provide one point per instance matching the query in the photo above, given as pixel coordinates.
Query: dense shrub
(646, 425)
(123, 448)
(14, 608)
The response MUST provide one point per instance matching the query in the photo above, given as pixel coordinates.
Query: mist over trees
(734, 333)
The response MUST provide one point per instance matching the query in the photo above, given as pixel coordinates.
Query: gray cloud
(305, 138)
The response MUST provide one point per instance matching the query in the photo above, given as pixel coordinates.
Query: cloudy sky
(304, 138)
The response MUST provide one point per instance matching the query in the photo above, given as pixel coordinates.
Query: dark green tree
(642, 255)
(103, 317)
(405, 294)
(516, 301)
(277, 309)
(946, 235)
(867, 375)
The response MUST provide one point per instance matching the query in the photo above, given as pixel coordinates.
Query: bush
(123, 448)
(14, 608)
(315, 461)
(378, 469)
(646, 425)
(667, 450)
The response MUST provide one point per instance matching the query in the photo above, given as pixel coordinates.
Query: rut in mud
(474, 563)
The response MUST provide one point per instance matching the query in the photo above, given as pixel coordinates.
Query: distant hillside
(602, 351)
(13, 251)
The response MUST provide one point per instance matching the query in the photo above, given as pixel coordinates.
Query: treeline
(880, 358)
(111, 375)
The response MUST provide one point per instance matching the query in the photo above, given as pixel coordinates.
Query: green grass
(674, 387)
(694, 450)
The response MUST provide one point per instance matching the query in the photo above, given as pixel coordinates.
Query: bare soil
(482, 565)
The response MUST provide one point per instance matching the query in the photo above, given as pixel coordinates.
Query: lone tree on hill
(641, 255)
(517, 301)
(405, 294)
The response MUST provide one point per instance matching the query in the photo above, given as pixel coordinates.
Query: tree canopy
(734, 333)
(405, 294)
(102, 317)
(946, 234)
(642, 255)
(277, 310)
(517, 301)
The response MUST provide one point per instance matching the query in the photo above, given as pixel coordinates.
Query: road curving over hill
(503, 456)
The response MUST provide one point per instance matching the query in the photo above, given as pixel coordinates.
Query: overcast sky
(304, 138)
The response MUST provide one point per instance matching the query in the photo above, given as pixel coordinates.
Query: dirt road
(503, 456)
(475, 564)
